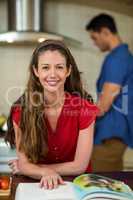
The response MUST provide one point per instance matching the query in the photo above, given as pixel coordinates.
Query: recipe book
(83, 187)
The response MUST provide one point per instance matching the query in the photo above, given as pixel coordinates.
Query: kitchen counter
(126, 177)
(6, 154)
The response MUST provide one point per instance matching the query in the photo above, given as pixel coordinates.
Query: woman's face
(52, 71)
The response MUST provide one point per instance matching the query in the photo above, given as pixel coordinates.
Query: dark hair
(102, 21)
(34, 131)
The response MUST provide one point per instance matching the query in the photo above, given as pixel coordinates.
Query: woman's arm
(49, 178)
(78, 166)
(22, 164)
(82, 156)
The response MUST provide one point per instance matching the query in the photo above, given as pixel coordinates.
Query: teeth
(52, 83)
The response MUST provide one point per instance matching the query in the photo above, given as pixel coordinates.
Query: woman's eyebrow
(55, 64)
(44, 64)
(60, 64)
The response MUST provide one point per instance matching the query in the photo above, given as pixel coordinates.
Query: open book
(84, 187)
(91, 186)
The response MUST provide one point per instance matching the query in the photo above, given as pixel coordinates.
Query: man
(114, 127)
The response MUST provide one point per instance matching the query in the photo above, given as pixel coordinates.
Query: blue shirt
(118, 121)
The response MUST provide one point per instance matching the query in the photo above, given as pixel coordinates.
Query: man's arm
(107, 97)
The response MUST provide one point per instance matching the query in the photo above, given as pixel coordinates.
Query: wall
(65, 18)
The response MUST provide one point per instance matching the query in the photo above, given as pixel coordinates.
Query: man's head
(102, 30)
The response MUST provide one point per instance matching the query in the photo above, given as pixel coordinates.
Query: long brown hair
(32, 124)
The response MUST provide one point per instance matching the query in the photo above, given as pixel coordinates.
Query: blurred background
(60, 17)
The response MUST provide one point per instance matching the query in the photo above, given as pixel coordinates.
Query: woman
(53, 124)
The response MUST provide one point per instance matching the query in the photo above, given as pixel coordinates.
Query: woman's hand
(14, 166)
(51, 179)
(17, 166)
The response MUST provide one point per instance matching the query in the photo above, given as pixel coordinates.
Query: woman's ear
(69, 70)
(35, 71)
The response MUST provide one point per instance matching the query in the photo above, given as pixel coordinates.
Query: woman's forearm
(67, 168)
(36, 171)
(31, 170)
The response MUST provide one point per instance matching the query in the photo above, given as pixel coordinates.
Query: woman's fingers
(61, 181)
(10, 162)
(55, 182)
(15, 169)
(41, 183)
(51, 182)
(13, 164)
(46, 182)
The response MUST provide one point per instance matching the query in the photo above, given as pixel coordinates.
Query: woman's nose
(52, 72)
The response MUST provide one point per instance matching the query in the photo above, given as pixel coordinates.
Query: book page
(32, 191)
(90, 186)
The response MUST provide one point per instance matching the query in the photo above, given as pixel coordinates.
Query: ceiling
(119, 6)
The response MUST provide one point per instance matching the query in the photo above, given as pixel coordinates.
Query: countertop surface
(126, 177)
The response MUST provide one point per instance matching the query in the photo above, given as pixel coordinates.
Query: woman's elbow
(80, 169)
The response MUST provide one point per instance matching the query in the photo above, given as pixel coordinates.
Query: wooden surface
(126, 177)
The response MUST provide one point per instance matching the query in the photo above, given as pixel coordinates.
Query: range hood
(25, 23)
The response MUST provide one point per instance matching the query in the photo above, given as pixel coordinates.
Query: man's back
(114, 127)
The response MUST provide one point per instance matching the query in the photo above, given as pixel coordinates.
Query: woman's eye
(60, 67)
(45, 67)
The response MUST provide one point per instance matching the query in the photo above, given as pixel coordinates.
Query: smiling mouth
(52, 83)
